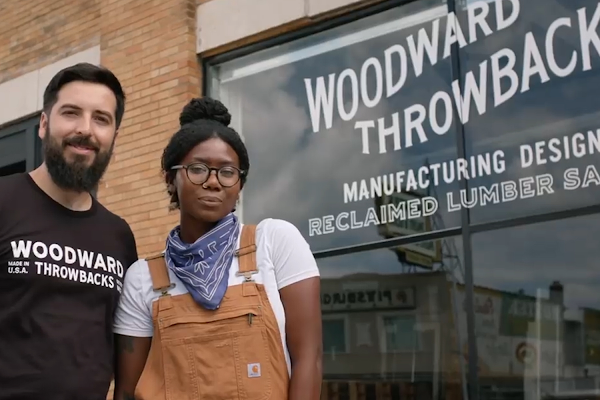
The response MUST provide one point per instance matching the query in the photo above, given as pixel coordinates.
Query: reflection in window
(537, 309)
(334, 334)
(538, 106)
(400, 334)
(303, 139)
(395, 323)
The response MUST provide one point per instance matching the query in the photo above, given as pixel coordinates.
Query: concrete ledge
(316, 7)
(220, 22)
(23, 95)
(223, 21)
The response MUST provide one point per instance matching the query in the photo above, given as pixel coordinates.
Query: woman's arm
(301, 302)
(131, 356)
(299, 287)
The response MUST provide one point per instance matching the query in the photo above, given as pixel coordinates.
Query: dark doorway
(20, 147)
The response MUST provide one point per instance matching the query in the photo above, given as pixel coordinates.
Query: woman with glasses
(228, 311)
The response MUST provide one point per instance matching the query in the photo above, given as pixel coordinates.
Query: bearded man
(63, 256)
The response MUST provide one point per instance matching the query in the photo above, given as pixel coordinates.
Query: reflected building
(394, 339)
(406, 336)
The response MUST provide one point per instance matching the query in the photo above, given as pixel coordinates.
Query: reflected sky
(553, 109)
(532, 257)
(292, 165)
(386, 262)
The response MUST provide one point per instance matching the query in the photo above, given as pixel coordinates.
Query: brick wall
(40, 32)
(151, 46)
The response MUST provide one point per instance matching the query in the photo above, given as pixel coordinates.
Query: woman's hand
(302, 305)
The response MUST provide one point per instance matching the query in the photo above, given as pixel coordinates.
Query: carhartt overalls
(234, 352)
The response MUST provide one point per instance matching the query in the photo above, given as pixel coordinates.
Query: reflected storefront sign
(368, 299)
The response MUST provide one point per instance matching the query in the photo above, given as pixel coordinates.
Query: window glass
(13, 147)
(537, 308)
(399, 333)
(20, 147)
(531, 74)
(339, 124)
(334, 334)
(395, 324)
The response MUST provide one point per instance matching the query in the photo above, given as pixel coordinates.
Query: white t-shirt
(283, 257)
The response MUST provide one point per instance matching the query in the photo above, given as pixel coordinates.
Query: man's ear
(43, 129)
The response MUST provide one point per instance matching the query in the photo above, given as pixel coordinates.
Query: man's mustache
(81, 141)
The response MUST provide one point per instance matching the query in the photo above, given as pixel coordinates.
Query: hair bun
(205, 108)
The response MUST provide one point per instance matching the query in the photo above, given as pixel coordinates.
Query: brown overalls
(234, 352)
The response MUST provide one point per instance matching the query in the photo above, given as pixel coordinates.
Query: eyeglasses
(199, 173)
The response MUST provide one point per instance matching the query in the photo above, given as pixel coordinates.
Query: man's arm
(131, 355)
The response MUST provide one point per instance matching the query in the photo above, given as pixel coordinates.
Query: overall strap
(159, 274)
(247, 252)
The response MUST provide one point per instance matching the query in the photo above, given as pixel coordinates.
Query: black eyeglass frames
(198, 174)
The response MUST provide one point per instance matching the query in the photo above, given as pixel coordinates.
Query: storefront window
(335, 123)
(420, 119)
(537, 308)
(534, 99)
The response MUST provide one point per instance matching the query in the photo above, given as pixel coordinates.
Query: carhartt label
(253, 370)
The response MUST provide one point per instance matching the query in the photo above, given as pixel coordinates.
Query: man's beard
(76, 175)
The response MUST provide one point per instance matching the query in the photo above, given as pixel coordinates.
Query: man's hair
(85, 72)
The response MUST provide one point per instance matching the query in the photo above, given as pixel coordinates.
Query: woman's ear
(171, 189)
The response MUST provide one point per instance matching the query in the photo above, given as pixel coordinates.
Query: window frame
(336, 316)
(29, 127)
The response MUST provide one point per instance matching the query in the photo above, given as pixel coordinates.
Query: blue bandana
(203, 266)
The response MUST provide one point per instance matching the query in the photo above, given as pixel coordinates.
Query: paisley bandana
(203, 266)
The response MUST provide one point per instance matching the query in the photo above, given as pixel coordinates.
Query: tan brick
(43, 32)
(150, 45)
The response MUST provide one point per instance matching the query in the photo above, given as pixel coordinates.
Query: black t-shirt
(61, 274)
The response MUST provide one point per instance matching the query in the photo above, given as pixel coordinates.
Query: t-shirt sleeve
(290, 253)
(133, 316)
(129, 239)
